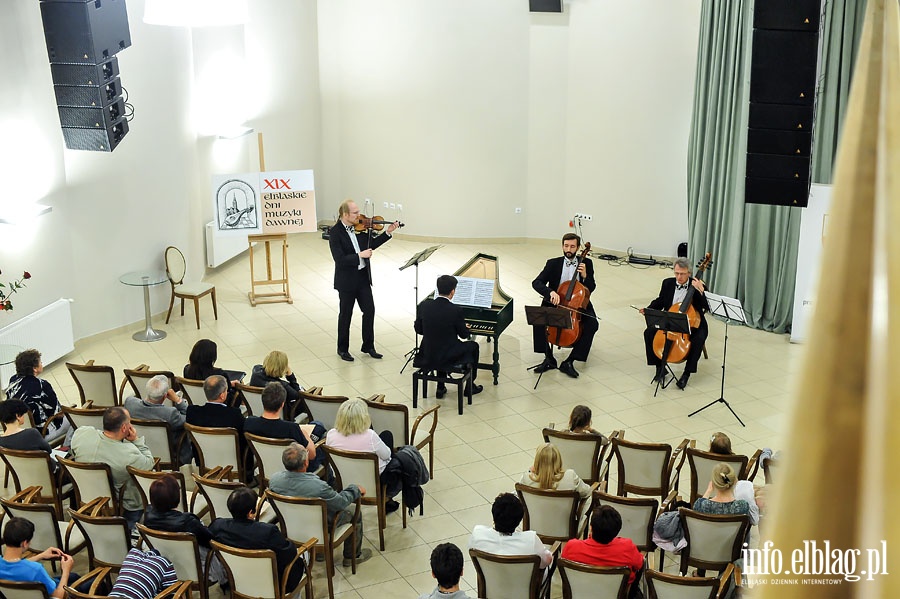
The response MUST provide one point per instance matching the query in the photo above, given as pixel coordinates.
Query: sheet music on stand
(728, 308)
(473, 292)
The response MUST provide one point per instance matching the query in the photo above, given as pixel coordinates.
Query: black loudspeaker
(778, 192)
(682, 249)
(792, 15)
(787, 117)
(88, 95)
(96, 140)
(794, 168)
(783, 67)
(545, 5)
(84, 74)
(84, 32)
(92, 117)
(785, 143)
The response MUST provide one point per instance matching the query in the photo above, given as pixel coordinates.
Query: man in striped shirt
(144, 574)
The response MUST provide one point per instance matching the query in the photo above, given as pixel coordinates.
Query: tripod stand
(547, 316)
(729, 309)
(668, 322)
(415, 260)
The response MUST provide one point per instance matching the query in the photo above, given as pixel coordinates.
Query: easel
(730, 309)
(668, 322)
(415, 261)
(273, 297)
(547, 316)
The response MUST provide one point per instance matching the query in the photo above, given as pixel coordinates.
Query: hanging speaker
(84, 32)
(92, 117)
(545, 5)
(65, 73)
(96, 140)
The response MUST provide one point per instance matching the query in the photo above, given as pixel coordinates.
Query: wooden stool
(463, 382)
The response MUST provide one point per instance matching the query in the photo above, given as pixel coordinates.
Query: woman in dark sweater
(274, 366)
(201, 364)
(37, 393)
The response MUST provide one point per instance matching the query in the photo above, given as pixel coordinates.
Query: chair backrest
(175, 265)
(268, 455)
(158, 437)
(180, 548)
(251, 398)
(323, 407)
(11, 589)
(91, 480)
(144, 478)
(300, 518)
(96, 384)
(713, 541)
(582, 580)
(356, 467)
(43, 516)
(647, 468)
(390, 417)
(30, 469)
(583, 453)
(85, 416)
(506, 575)
(107, 538)
(702, 463)
(252, 572)
(552, 514)
(670, 586)
(192, 390)
(638, 515)
(216, 447)
(138, 377)
(770, 470)
(216, 493)
(423, 428)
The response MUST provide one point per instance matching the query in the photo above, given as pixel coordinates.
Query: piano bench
(463, 381)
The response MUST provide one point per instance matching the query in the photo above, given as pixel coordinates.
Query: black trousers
(581, 349)
(363, 297)
(698, 340)
(466, 352)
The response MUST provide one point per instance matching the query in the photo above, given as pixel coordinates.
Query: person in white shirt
(503, 538)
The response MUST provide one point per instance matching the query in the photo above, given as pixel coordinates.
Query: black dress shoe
(345, 356)
(476, 389)
(548, 364)
(441, 392)
(683, 381)
(568, 368)
(372, 353)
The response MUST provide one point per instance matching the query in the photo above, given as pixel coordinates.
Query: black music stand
(669, 322)
(730, 309)
(547, 316)
(415, 260)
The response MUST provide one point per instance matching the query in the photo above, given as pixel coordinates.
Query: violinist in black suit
(557, 271)
(441, 324)
(673, 291)
(353, 277)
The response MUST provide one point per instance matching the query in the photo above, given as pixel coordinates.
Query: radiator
(49, 330)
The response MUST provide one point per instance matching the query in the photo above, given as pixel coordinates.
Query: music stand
(669, 322)
(730, 309)
(547, 316)
(415, 260)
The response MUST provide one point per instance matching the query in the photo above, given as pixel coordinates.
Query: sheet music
(726, 307)
(473, 292)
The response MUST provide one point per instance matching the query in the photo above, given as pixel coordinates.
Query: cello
(673, 348)
(574, 296)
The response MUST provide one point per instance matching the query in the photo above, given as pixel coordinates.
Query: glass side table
(146, 279)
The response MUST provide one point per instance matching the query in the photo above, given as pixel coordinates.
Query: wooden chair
(649, 469)
(588, 455)
(177, 590)
(638, 516)
(107, 537)
(183, 550)
(553, 515)
(583, 580)
(87, 415)
(361, 468)
(192, 390)
(49, 530)
(138, 377)
(247, 570)
(770, 469)
(175, 270)
(714, 542)
(463, 382)
(93, 480)
(251, 399)
(217, 447)
(268, 456)
(96, 384)
(144, 478)
(306, 518)
(35, 469)
(158, 437)
(671, 586)
(512, 575)
(322, 407)
(43, 430)
(701, 464)
(12, 589)
(215, 489)
(394, 417)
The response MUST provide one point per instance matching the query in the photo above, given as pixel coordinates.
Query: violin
(676, 346)
(574, 296)
(376, 223)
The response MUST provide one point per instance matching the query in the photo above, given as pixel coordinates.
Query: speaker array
(83, 38)
(782, 101)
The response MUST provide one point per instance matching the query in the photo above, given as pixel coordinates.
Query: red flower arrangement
(12, 287)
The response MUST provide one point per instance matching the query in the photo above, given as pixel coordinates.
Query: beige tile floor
(484, 451)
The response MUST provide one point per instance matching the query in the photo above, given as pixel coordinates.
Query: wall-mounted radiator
(221, 247)
(49, 330)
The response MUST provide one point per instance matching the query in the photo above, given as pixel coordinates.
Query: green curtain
(754, 247)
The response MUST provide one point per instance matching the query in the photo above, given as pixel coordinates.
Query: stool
(463, 382)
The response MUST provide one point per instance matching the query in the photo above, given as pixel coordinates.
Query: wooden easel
(275, 296)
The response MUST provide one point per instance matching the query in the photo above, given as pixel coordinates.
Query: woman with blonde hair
(274, 367)
(720, 443)
(719, 496)
(547, 472)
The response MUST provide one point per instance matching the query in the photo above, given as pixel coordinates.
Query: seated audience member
(118, 446)
(13, 413)
(503, 538)
(719, 496)
(37, 393)
(720, 444)
(447, 569)
(580, 422)
(161, 514)
(17, 535)
(242, 530)
(296, 481)
(271, 425)
(152, 408)
(274, 367)
(215, 413)
(604, 548)
(353, 432)
(547, 473)
(144, 574)
(201, 365)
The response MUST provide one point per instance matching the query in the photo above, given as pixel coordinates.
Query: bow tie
(571, 262)
(349, 228)
(685, 286)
